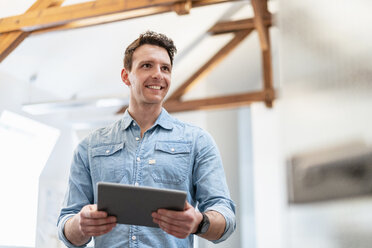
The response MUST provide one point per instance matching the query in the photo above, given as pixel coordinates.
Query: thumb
(187, 206)
(86, 211)
(92, 207)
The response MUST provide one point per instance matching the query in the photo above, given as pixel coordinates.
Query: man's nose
(157, 73)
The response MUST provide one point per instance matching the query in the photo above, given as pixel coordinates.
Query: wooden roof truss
(48, 15)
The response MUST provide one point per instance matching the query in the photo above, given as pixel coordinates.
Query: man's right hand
(87, 223)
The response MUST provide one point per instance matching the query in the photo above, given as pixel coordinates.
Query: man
(148, 147)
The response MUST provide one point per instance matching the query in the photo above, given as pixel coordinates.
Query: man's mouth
(155, 87)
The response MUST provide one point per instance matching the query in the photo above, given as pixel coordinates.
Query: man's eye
(166, 68)
(146, 65)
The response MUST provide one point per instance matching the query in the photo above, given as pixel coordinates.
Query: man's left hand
(178, 223)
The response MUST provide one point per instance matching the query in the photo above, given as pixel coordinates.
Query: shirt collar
(164, 120)
(127, 120)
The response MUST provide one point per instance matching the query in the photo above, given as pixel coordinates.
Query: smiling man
(148, 147)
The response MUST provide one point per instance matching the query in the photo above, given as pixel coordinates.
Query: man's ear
(124, 76)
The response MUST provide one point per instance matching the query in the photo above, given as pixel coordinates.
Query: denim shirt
(171, 154)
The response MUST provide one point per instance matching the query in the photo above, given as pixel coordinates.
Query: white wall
(326, 100)
(321, 120)
(268, 174)
(223, 126)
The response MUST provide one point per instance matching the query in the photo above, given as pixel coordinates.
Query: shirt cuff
(229, 218)
(61, 234)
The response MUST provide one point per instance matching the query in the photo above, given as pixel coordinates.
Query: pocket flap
(106, 150)
(173, 147)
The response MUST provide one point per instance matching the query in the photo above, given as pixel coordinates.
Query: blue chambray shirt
(171, 154)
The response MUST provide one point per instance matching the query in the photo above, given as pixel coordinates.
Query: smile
(154, 87)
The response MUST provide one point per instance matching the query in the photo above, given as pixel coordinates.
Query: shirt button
(138, 159)
(107, 151)
(136, 184)
(134, 124)
(137, 138)
(133, 237)
(172, 149)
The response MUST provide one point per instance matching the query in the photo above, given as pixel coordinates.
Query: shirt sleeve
(211, 190)
(79, 192)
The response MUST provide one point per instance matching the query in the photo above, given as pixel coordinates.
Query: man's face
(150, 77)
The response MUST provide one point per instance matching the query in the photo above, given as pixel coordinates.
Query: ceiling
(85, 63)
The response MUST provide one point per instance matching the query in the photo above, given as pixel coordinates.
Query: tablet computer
(134, 205)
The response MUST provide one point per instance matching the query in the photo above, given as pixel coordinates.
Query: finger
(171, 221)
(92, 207)
(171, 226)
(97, 222)
(173, 230)
(97, 230)
(177, 215)
(96, 233)
(93, 214)
(184, 227)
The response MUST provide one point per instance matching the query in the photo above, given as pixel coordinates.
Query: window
(25, 146)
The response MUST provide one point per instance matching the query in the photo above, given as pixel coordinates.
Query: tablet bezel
(133, 205)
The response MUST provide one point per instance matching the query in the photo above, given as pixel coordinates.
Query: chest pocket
(172, 162)
(108, 163)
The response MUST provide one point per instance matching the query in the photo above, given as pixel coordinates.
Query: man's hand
(87, 223)
(178, 223)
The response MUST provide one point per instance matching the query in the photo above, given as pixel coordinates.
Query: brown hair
(152, 38)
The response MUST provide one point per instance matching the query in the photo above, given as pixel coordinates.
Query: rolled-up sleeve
(79, 192)
(209, 180)
(229, 216)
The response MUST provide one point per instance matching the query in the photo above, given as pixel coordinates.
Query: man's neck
(145, 116)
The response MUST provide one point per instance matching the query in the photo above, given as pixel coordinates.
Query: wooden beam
(125, 16)
(108, 18)
(183, 8)
(9, 41)
(51, 17)
(259, 13)
(217, 102)
(201, 3)
(234, 26)
(267, 72)
(37, 19)
(207, 67)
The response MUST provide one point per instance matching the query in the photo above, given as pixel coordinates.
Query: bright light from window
(25, 146)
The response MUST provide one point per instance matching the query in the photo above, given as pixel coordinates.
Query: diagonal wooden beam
(234, 26)
(230, 101)
(207, 67)
(259, 13)
(9, 41)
